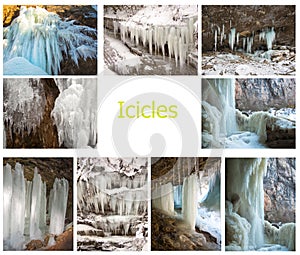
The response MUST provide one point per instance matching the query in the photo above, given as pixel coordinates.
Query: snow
(21, 66)
(209, 221)
(43, 39)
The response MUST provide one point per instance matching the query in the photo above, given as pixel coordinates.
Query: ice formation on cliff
(244, 189)
(114, 191)
(24, 103)
(158, 33)
(44, 39)
(74, 113)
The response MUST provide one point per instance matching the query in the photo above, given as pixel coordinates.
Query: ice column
(17, 208)
(244, 179)
(7, 196)
(189, 200)
(58, 207)
(232, 38)
(38, 198)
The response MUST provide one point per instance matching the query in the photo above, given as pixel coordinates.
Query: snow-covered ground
(217, 63)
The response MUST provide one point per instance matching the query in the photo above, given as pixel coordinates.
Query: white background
(104, 90)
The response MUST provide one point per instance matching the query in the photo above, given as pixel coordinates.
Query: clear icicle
(58, 207)
(189, 198)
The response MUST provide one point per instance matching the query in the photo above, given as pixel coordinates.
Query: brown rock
(64, 242)
(34, 245)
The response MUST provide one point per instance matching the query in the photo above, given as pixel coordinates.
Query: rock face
(247, 20)
(45, 136)
(279, 186)
(263, 94)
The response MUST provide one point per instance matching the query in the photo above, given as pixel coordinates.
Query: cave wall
(262, 94)
(247, 19)
(279, 187)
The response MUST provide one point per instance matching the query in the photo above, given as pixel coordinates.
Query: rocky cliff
(279, 187)
(262, 94)
(248, 20)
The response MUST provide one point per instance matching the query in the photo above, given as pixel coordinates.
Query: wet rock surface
(279, 186)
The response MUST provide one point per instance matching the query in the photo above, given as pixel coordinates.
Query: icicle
(59, 207)
(36, 198)
(237, 39)
(222, 35)
(216, 40)
(7, 197)
(189, 197)
(232, 38)
(28, 207)
(270, 37)
(150, 32)
(17, 222)
(176, 49)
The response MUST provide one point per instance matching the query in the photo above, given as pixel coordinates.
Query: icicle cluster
(44, 39)
(267, 34)
(24, 208)
(103, 191)
(166, 197)
(117, 199)
(74, 113)
(24, 103)
(155, 37)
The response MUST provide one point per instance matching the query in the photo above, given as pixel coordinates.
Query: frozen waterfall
(112, 196)
(24, 103)
(24, 208)
(44, 39)
(244, 190)
(75, 114)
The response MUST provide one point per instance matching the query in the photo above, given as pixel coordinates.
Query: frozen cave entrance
(189, 203)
